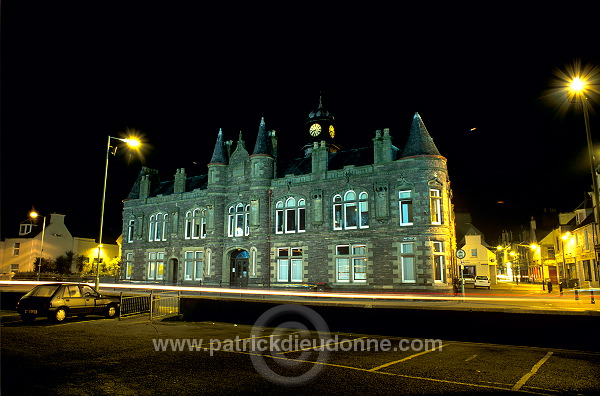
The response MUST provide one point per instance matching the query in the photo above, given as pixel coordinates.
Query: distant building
(364, 218)
(479, 258)
(21, 254)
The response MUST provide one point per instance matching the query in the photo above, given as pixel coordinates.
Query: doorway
(239, 261)
(175, 270)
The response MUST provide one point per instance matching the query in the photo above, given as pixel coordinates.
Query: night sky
(74, 73)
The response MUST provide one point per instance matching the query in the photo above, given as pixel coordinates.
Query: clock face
(315, 129)
(331, 131)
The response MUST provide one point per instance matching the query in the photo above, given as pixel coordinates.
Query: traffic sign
(460, 254)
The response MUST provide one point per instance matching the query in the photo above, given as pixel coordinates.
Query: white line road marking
(406, 358)
(534, 369)
(470, 358)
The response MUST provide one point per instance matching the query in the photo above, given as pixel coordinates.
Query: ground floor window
(407, 260)
(193, 265)
(351, 263)
(128, 265)
(439, 261)
(289, 264)
(156, 265)
(587, 270)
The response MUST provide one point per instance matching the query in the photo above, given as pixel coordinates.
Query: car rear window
(42, 291)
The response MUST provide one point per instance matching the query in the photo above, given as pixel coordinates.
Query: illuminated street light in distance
(578, 85)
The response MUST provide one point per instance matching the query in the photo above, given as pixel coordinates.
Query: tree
(63, 263)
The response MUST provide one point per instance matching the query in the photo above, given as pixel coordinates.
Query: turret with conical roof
(217, 168)
(219, 156)
(419, 141)
(261, 160)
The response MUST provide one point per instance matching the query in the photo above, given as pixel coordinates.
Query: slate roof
(263, 144)
(219, 156)
(419, 141)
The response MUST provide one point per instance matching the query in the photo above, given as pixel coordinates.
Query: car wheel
(28, 318)
(111, 311)
(60, 315)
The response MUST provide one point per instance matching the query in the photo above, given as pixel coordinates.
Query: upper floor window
(195, 224)
(130, 231)
(406, 207)
(351, 263)
(238, 221)
(473, 252)
(25, 228)
(290, 216)
(158, 227)
(351, 211)
(435, 198)
(16, 248)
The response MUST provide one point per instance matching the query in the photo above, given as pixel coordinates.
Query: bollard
(550, 287)
(576, 294)
(592, 297)
(560, 288)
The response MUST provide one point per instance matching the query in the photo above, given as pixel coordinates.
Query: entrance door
(239, 268)
(175, 266)
(552, 275)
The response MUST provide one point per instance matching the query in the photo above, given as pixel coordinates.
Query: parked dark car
(56, 301)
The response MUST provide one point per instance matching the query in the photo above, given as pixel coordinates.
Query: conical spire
(262, 145)
(219, 156)
(419, 141)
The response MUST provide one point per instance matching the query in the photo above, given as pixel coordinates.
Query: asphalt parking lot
(93, 356)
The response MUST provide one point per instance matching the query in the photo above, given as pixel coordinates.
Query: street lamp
(33, 214)
(131, 142)
(578, 88)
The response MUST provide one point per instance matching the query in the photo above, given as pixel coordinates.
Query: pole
(97, 282)
(41, 249)
(596, 201)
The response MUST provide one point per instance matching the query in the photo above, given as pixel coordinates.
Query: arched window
(351, 213)
(158, 227)
(290, 217)
(195, 224)
(238, 221)
(130, 231)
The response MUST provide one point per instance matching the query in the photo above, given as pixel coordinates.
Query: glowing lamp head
(577, 85)
(33, 214)
(133, 142)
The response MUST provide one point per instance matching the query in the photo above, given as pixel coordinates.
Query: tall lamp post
(134, 143)
(578, 88)
(34, 215)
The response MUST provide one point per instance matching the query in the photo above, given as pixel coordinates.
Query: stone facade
(361, 219)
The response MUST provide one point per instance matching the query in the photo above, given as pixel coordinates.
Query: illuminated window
(130, 231)
(436, 206)
(406, 208)
(25, 228)
(439, 261)
(156, 265)
(128, 265)
(289, 264)
(351, 263)
(238, 220)
(193, 265)
(158, 227)
(407, 259)
(290, 217)
(351, 211)
(195, 224)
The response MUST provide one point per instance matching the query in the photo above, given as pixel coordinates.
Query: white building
(479, 258)
(21, 254)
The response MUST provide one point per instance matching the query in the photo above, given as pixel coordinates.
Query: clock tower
(320, 125)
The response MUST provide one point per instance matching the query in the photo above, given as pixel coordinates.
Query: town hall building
(371, 218)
